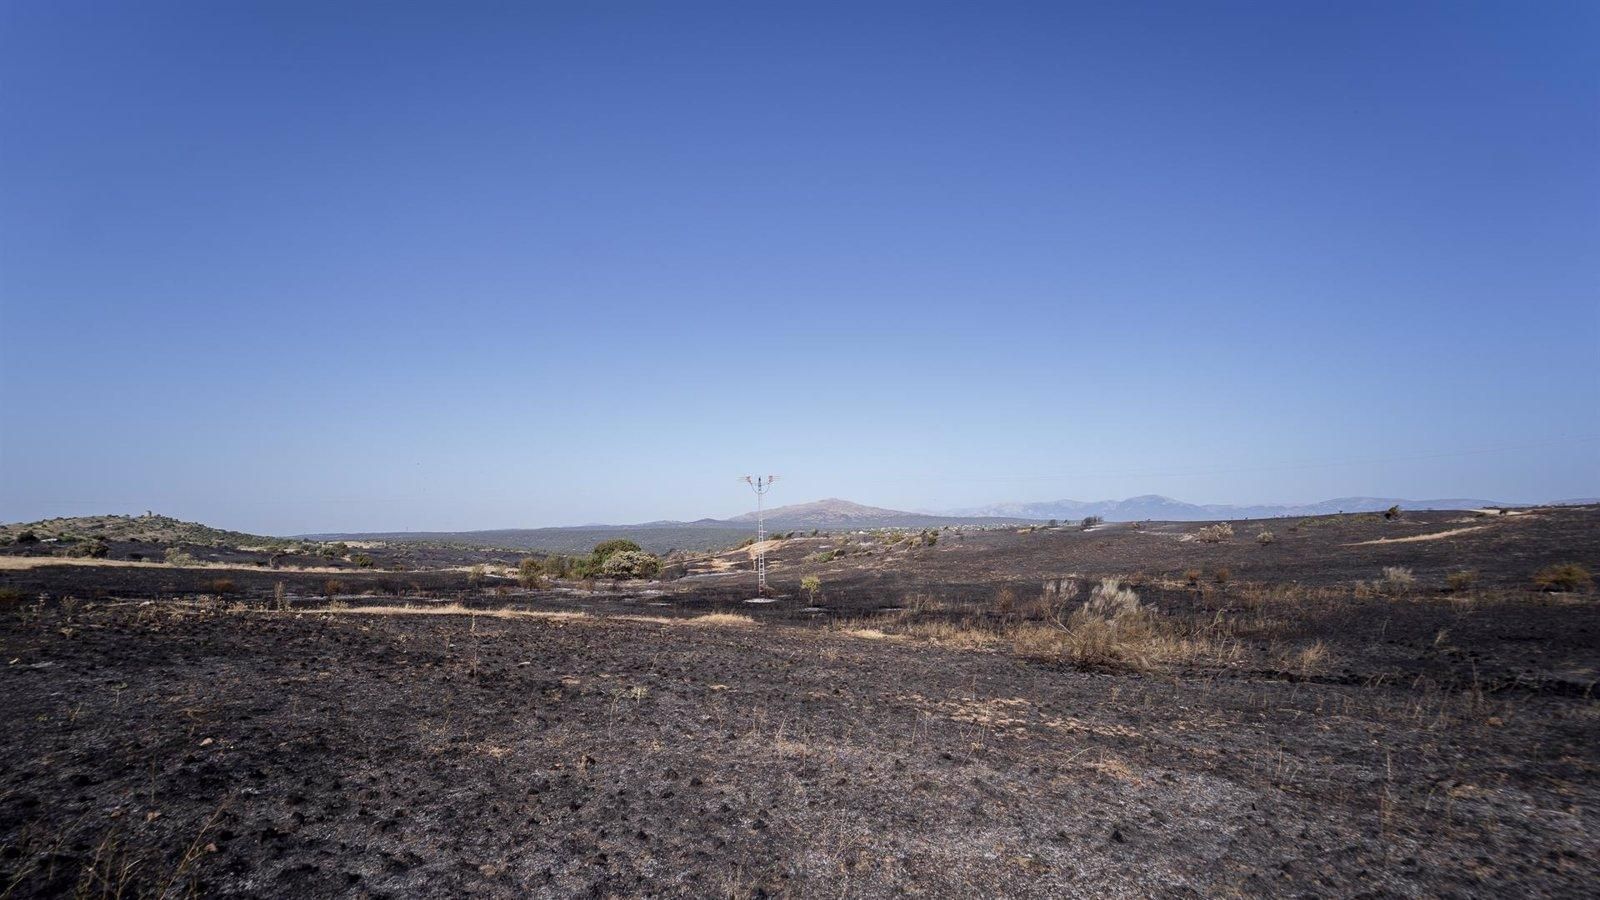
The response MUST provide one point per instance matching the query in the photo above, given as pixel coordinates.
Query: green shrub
(530, 572)
(811, 584)
(558, 566)
(630, 564)
(362, 560)
(604, 549)
(28, 537)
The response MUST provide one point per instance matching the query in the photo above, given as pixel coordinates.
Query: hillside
(656, 537)
(149, 528)
(1166, 509)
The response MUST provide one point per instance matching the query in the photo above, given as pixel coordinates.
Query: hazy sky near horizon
(291, 267)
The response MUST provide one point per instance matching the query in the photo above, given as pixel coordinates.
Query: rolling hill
(1159, 508)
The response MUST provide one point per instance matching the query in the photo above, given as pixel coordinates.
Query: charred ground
(1304, 725)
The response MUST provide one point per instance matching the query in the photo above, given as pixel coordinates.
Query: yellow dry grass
(456, 609)
(870, 634)
(443, 609)
(760, 547)
(717, 619)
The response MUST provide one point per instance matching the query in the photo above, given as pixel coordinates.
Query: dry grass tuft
(1310, 659)
(720, 619)
(870, 634)
(950, 634)
(1397, 578)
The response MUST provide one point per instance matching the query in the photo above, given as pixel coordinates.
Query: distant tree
(1053, 523)
(1091, 521)
(28, 537)
(1392, 512)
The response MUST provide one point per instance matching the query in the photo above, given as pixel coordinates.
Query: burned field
(947, 720)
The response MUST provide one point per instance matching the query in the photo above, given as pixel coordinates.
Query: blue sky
(292, 267)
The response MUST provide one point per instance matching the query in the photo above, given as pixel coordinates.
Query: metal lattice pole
(760, 485)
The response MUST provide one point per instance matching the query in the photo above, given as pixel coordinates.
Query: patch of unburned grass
(442, 609)
(719, 619)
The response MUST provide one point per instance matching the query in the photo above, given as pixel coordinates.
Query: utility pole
(760, 485)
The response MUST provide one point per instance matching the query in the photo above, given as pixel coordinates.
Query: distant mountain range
(1157, 507)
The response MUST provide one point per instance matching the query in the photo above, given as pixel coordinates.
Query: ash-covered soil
(156, 748)
(1292, 724)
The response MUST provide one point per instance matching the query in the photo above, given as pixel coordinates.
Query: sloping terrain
(174, 750)
(1165, 509)
(1357, 706)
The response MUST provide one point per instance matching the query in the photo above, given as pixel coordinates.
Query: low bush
(1461, 581)
(362, 560)
(1565, 578)
(1265, 538)
(1215, 534)
(1397, 578)
(1110, 600)
(630, 564)
(811, 584)
(530, 573)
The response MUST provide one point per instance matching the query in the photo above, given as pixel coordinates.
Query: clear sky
(292, 267)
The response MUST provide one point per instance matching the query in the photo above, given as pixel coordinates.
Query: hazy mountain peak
(830, 511)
